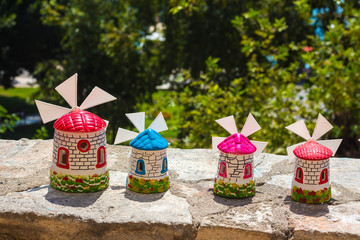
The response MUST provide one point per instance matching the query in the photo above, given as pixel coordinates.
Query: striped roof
(149, 140)
(79, 121)
(237, 144)
(311, 150)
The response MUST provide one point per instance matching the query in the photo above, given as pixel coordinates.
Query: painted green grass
(233, 190)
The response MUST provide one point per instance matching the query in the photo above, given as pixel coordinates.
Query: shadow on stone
(313, 210)
(117, 187)
(232, 202)
(142, 197)
(72, 199)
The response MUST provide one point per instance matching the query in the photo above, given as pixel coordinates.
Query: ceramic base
(79, 184)
(234, 190)
(147, 185)
(306, 196)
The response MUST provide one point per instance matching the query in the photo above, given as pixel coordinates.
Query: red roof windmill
(311, 181)
(79, 153)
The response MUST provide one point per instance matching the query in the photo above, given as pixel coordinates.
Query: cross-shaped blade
(68, 90)
(300, 129)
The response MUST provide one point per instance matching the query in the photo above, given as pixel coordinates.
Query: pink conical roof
(311, 150)
(237, 144)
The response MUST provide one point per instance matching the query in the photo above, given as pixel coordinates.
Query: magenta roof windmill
(234, 177)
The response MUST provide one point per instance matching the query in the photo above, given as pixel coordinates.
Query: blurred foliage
(165, 102)
(105, 43)
(334, 80)
(41, 133)
(260, 78)
(280, 60)
(24, 40)
(7, 121)
(256, 65)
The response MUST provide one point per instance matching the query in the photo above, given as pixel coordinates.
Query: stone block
(188, 210)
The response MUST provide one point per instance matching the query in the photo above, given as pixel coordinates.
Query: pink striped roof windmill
(311, 181)
(234, 177)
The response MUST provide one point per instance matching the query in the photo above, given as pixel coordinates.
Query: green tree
(106, 43)
(334, 86)
(24, 39)
(236, 57)
(260, 78)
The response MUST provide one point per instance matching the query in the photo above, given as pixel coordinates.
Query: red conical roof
(79, 121)
(311, 150)
(237, 144)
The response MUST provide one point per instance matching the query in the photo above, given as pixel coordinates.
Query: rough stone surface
(30, 209)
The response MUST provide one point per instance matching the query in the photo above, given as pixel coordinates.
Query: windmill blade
(138, 119)
(322, 126)
(333, 144)
(68, 90)
(260, 146)
(49, 112)
(290, 151)
(159, 123)
(228, 123)
(107, 123)
(216, 141)
(124, 135)
(96, 97)
(250, 126)
(300, 129)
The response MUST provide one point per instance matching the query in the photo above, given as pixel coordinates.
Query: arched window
(101, 157)
(83, 145)
(324, 176)
(164, 166)
(222, 170)
(299, 177)
(140, 167)
(63, 158)
(248, 171)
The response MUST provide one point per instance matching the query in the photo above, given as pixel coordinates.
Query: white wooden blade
(49, 112)
(260, 146)
(124, 135)
(250, 126)
(107, 123)
(138, 119)
(68, 90)
(159, 123)
(216, 141)
(322, 126)
(333, 144)
(228, 123)
(300, 129)
(290, 151)
(96, 97)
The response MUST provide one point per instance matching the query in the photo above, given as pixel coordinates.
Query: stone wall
(312, 170)
(235, 166)
(30, 209)
(153, 162)
(79, 160)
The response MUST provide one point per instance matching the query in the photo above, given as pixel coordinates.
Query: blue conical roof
(149, 140)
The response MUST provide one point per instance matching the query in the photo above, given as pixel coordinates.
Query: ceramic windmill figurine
(311, 181)
(79, 152)
(235, 177)
(148, 165)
